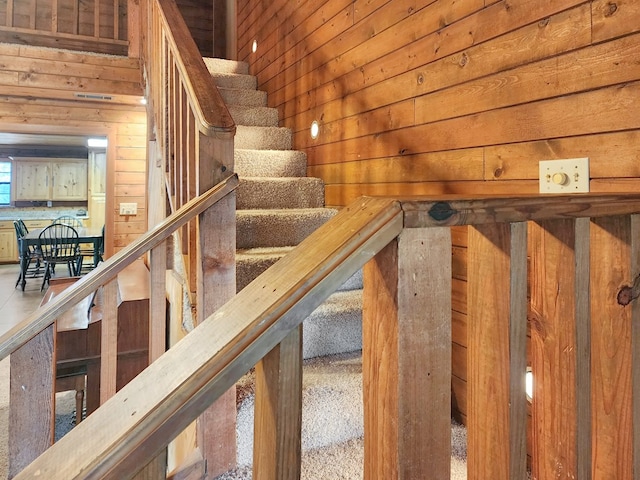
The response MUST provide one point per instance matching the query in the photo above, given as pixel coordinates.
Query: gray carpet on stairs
(332, 424)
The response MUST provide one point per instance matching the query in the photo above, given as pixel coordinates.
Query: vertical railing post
(611, 349)
(497, 307)
(559, 338)
(216, 284)
(278, 411)
(32, 400)
(407, 358)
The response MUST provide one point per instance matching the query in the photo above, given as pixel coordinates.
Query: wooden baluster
(611, 349)
(157, 302)
(559, 349)
(635, 342)
(407, 358)
(109, 341)
(497, 307)
(278, 411)
(96, 18)
(116, 19)
(54, 16)
(9, 21)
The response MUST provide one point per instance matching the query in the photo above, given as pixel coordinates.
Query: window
(5, 182)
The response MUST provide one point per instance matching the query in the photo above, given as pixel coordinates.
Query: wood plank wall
(38, 87)
(418, 97)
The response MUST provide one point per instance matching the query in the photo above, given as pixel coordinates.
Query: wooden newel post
(217, 284)
(407, 358)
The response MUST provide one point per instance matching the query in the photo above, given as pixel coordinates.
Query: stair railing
(584, 255)
(34, 336)
(191, 149)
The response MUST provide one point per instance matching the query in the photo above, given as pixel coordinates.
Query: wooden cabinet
(8, 244)
(38, 179)
(97, 188)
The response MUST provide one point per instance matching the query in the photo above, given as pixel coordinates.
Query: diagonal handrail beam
(37, 321)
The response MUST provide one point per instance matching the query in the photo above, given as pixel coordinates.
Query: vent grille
(93, 96)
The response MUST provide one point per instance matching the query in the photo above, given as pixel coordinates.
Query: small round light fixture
(315, 129)
(254, 46)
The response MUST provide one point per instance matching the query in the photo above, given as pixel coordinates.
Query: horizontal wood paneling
(427, 98)
(25, 108)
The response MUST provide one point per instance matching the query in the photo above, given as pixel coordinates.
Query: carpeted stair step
(242, 96)
(270, 163)
(280, 192)
(235, 80)
(278, 228)
(263, 138)
(222, 65)
(332, 406)
(254, 116)
(335, 326)
(252, 262)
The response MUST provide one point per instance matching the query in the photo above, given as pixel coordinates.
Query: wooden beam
(611, 349)
(407, 358)
(497, 351)
(278, 411)
(556, 348)
(31, 400)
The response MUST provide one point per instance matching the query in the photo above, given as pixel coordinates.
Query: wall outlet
(128, 209)
(570, 175)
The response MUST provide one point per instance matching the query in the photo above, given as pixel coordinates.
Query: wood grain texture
(32, 400)
(497, 351)
(611, 386)
(278, 411)
(554, 349)
(407, 358)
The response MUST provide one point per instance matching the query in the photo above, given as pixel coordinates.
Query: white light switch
(564, 176)
(128, 209)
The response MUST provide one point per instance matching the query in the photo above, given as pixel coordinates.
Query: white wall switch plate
(128, 209)
(570, 175)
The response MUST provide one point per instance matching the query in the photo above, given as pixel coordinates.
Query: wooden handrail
(212, 115)
(135, 424)
(46, 315)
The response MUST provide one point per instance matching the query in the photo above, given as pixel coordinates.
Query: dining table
(92, 235)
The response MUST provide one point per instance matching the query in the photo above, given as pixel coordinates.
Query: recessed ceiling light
(254, 46)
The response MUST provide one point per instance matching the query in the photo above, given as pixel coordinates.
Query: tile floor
(15, 304)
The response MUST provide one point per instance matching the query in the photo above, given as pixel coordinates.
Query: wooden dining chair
(59, 244)
(70, 220)
(31, 264)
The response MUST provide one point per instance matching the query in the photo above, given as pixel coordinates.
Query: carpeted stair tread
(243, 96)
(335, 326)
(235, 80)
(221, 65)
(332, 409)
(254, 116)
(252, 262)
(263, 138)
(278, 228)
(270, 163)
(280, 192)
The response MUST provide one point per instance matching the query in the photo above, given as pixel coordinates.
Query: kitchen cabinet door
(8, 247)
(33, 180)
(69, 180)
